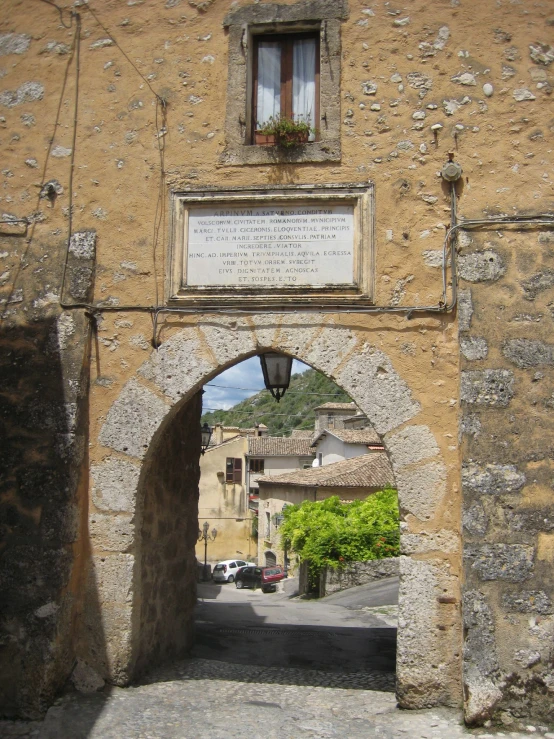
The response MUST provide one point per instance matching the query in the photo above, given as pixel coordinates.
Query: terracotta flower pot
(263, 139)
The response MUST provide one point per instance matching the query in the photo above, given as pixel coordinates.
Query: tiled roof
(301, 434)
(369, 437)
(336, 407)
(368, 470)
(279, 446)
(356, 417)
(213, 445)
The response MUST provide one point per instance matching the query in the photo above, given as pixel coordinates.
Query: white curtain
(303, 81)
(269, 81)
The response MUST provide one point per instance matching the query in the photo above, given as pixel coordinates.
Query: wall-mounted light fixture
(206, 433)
(276, 369)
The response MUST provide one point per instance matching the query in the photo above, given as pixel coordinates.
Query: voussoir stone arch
(195, 354)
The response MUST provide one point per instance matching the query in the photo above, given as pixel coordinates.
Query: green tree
(329, 533)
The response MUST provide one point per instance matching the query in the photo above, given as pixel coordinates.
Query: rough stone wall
(166, 573)
(453, 75)
(507, 431)
(44, 369)
(44, 380)
(359, 573)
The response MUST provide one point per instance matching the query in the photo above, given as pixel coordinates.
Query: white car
(226, 571)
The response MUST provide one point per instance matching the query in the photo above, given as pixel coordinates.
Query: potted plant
(282, 131)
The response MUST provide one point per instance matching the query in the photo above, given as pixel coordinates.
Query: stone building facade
(111, 115)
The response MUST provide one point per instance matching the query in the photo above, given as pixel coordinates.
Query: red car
(265, 578)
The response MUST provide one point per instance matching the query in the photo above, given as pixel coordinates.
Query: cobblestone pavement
(204, 699)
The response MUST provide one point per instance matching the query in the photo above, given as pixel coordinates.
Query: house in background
(238, 458)
(301, 434)
(221, 433)
(335, 445)
(223, 500)
(350, 479)
(274, 455)
(334, 415)
(229, 470)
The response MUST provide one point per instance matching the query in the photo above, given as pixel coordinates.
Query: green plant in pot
(285, 132)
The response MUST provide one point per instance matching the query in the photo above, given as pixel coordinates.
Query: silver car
(226, 571)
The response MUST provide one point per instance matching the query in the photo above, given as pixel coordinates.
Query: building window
(233, 469)
(257, 466)
(264, 79)
(286, 80)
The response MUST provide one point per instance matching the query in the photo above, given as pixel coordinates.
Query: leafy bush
(329, 533)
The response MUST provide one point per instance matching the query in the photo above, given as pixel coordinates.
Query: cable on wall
(161, 105)
(51, 139)
(449, 244)
(77, 50)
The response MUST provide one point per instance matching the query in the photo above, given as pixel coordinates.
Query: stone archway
(429, 631)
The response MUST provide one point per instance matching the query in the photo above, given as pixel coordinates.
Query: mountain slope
(294, 411)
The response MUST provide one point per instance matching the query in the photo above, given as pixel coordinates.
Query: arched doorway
(153, 415)
(270, 559)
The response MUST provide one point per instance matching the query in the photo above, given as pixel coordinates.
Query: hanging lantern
(276, 369)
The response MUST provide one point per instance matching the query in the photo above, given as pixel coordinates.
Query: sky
(222, 392)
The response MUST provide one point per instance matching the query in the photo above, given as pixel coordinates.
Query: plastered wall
(224, 506)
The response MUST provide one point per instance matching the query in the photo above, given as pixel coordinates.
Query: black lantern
(276, 369)
(206, 433)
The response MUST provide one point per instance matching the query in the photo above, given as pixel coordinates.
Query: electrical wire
(116, 42)
(544, 219)
(33, 222)
(60, 11)
(159, 219)
(443, 306)
(257, 389)
(252, 413)
(77, 50)
(159, 215)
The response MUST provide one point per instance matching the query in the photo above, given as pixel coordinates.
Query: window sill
(316, 151)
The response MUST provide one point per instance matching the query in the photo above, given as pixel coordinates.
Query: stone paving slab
(204, 699)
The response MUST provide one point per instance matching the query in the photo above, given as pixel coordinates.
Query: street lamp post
(206, 536)
(206, 435)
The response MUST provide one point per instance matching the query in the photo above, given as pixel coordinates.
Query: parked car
(265, 578)
(226, 571)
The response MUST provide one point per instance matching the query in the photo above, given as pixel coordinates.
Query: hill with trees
(307, 390)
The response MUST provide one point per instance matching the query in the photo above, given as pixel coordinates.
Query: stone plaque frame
(359, 291)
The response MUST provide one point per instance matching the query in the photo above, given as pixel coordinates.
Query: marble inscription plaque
(265, 246)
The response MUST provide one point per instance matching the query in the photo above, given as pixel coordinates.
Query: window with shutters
(233, 470)
(257, 466)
